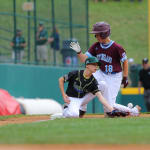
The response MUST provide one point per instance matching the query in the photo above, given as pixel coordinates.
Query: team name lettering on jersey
(105, 58)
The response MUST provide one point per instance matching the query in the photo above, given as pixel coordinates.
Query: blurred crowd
(19, 44)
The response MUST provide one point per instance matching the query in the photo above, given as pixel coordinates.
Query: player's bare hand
(66, 99)
(75, 46)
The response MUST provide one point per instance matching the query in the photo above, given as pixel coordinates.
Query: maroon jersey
(110, 55)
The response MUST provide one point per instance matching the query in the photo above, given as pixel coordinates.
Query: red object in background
(8, 105)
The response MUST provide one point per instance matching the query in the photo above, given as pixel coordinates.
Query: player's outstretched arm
(103, 101)
(76, 47)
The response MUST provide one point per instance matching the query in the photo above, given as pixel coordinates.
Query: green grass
(129, 24)
(79, 131)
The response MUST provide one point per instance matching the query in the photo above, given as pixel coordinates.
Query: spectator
(54, 43)
(18, 44)
(144, 80)
(41, 41)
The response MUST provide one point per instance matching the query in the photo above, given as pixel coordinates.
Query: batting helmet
(101, 28)
(91, 60)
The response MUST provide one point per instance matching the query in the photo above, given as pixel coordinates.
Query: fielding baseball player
(82, 85)
(114, 68)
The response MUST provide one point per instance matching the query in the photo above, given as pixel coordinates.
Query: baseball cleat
(136, 110)
(81, 113)
(65, 105)
(138, 107)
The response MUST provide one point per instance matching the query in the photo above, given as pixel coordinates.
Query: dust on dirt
(36, 118)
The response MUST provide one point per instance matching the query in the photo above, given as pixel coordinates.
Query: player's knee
(71, 114)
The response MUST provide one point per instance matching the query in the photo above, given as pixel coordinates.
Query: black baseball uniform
(78, 85)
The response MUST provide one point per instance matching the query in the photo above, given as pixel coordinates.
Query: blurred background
(73, 20)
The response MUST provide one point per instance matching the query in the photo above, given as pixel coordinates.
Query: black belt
(109, 72)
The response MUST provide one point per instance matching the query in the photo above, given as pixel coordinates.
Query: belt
(109, 72)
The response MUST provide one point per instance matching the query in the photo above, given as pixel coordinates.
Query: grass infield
(78, 131)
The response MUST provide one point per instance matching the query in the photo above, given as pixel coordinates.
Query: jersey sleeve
(70, 76)
(94, 87)
(91, 50)
(122, 53)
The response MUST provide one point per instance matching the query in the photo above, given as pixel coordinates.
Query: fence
(70, 17)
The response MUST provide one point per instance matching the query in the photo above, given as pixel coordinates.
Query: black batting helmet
(101, 28)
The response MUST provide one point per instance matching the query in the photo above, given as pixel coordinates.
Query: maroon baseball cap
(100, 27)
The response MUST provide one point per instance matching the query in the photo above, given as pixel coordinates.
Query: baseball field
(93, 132)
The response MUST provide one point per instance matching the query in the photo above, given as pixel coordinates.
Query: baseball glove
(117, 113)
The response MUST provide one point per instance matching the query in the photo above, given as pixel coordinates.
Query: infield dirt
(28, 119)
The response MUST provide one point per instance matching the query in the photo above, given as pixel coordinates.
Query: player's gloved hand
(125, 81)
(76, 47)
(117, 113)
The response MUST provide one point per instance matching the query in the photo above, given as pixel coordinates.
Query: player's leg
(135, 111)
(114, 83)
(147, 99)
(44, 53)
(85, 100)
(21, 54)
(38, 53)
(88, 97)
(72, 111)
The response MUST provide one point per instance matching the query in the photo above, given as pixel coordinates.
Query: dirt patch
(28, 119)
(24, 119)
(74, 147)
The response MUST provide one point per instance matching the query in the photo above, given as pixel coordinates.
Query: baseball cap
(41, 23)
(91, 60)
(145, 61)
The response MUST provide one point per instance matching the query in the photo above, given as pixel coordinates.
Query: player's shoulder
(74, 72)
(94, 79)
(117, 45)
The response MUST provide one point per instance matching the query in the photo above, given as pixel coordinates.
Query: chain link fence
(69, 18)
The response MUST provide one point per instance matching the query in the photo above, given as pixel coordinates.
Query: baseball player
(82, 84)
(114, 68)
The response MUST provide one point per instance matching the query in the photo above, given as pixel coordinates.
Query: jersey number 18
(108, 68)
